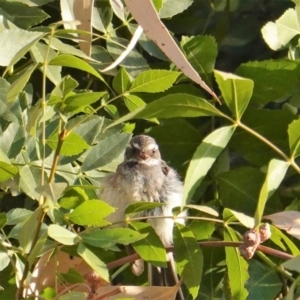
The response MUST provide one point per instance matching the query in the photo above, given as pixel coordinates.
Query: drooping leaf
(189, 258)
(93, 261)
(62, 235)
(37, 250)
(203, 158)
(105, 238)
(237, 267)
(153, 81)
(90, 212)
(105, 151)
(294, 138)
(71, 61)
(3, 220)
(236, 92)
(72, 145)
(150, 248)
(10, 51)
(276, 172)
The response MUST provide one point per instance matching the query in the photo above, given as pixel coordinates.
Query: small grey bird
(144, 176)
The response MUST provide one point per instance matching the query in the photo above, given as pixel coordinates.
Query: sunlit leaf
(141, 206)
(294, 138)
(52, 190)
(4, 258)
(73, 197)
(153, 81)
(121, 81)
(72, 145)
(93, 261)
(204, 157)
(236, 92)
(105, 151)
(189, 258)
(105, 238)
(90, 212)
(7, 171)
(150, 248)
(276, 172)
(71, 61)
(237, 267)
(62, 235)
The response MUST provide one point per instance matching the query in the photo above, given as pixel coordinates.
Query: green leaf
(72, 145)
(169, 9)
(74, 296)
(133, 102)
(236, 92)
(48, 293)
(140, 206)
(62, 235)
(7, 171)
(40, 52)
(17, 215)
(121, 81)
(270, 35)
(189, 258)
(73, 197)
(288, 26)
(37, 249)
(77, 103)
(153, 81)
(22, 15)
(264, 282)
(90, 212)
(18, 85)
(273, 80)
(70, 61)
(150, 248)
(93, 261)
(276, 172)
(204, 157)
(28, 230)
(12, 51)
(294, 138)
(52, 190)
(105, 238)
(237, 267)
(3, 220)
(134, 62)
(239, 189)
(72, 276)
(4, 258)
(105, 151)
(30, 180)
(201, 52)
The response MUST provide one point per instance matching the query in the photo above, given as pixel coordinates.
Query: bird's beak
(143, 156)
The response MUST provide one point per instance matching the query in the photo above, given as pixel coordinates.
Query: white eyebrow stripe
(152, 147)
(136, 146)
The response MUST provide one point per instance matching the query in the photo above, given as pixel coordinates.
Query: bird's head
(144, 150)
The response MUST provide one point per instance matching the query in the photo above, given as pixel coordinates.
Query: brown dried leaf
(288, 221)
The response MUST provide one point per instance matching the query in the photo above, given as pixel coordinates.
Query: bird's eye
(153, 151)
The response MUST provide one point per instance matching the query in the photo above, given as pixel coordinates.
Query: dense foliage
(67, 113)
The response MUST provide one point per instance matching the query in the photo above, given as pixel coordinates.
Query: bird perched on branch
(144, 176)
